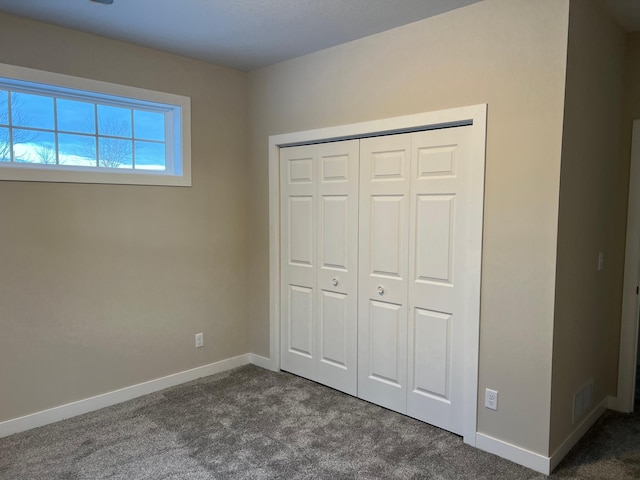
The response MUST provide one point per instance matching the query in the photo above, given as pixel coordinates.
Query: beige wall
(510, 54)
(104, 286)
(587, 312)
(630, 112)
(631, 104)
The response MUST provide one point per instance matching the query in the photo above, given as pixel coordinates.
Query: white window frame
(178, 171)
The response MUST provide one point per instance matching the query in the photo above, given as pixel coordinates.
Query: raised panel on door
(334, 317)
(334, 214)
(298, 265)
(386, 236)
(437, 274)
(383, 270)
(300, 321)
(337, 272)
(431, 341)
(383, 376)
(300, 230)
(432, 248)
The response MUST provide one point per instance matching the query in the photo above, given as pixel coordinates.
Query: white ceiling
(249, 34)
(244, 34)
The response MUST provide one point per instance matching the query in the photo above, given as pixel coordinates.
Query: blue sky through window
(77, 150)
(147, 154)
(35, 119)
(74, 116)
(114, 121)
(149, 125)
(4, 105)
(28, 110)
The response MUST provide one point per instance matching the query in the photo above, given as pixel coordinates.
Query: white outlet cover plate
(491, 399)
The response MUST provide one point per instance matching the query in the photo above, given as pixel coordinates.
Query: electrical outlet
(600, 261)
(491, 399)
(199, 340)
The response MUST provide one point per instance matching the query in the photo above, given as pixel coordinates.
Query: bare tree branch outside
(112, 152)
(20, 136)
(115, 152)
(46, 154)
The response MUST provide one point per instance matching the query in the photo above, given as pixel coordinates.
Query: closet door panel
(337, 272)
(298, 265)
(383, 270)
(319, 262)
(437, 275)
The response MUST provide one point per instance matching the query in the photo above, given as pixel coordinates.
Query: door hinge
(637, 289)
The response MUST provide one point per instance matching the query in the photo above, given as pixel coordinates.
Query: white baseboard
(86, 405)
(619, 405)
(262, 362)
(535, 461)
(578, 433)
(519, 455)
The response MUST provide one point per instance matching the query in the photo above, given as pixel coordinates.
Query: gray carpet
(250, 423)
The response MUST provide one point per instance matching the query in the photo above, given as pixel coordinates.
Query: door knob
(380, 291)
(334, 282)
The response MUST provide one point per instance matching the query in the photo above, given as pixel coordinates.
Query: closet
(374, 268)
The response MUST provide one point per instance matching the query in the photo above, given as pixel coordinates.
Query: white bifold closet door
(375, 292)
(319, 257)
(413, 258)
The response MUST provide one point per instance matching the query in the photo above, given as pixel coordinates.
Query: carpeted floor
(250, 423)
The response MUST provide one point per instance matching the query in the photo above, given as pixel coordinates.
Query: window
(67, 129)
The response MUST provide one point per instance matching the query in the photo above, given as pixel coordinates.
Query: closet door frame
(475, 115)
